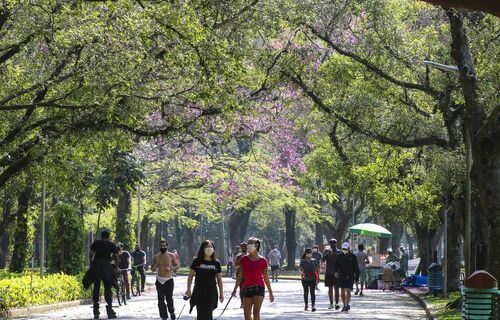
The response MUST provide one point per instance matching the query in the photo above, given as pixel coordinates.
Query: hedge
(17, 292)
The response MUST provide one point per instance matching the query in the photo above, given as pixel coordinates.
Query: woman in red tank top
(252, 274)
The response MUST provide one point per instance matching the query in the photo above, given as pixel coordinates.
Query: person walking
(252, 274)
(206, 269)
(230, 267)
(236, 264)
(330, 256)
(346, 271)
(101, 269)
(140, 264)
(309, 271)
(318, 256)
(163, 263)
(125, 264)
(274, 260)
(362, 259)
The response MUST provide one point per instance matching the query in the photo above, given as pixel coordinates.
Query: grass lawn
(437, 305)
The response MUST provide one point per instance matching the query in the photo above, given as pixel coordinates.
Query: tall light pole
(139, 214)
(42, 231)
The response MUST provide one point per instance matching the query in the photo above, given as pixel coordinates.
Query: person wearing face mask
(329, 257)
(309, 270)
(346, 271)
(236, 264)
(252, 274)
(139, 257)
(206, 269)
(318, 256)
(274, 260)
(163, 264)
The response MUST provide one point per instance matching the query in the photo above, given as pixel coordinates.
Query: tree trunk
(484, 133)
(453, 249)
(145, 227)
(409, 239)
(397, 232)
(4, 237)
(238, 224)
(219, 245)
(124, 226)
(291, 242)
(178, 236)
(21, 241)
(318, 235)
(424, 239)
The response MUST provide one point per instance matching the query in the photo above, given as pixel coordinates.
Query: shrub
(23, 291)
(67, 243)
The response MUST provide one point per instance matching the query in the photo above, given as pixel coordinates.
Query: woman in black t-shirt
(207, 269)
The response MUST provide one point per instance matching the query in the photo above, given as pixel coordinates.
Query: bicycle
(121, 293)
(135, 283)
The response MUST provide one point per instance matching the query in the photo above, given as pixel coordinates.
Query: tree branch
(374, 69)
(411, 143)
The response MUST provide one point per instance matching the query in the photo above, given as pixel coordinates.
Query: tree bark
(124, 226)
(424, 239)
(238, 224)
(397, 232)
(21, 241)
(4, 237)
(291, 242)
(484, 132)
(455, 224)
(145, 227)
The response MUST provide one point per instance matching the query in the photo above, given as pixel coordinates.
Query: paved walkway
(288, 305)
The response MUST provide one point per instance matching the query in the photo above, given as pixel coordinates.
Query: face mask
(308, 255)
(251, 248)
(315, 250)
(163, 250)
(345, 250)
(209, 251)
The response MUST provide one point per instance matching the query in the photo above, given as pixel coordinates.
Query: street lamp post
(139, 214)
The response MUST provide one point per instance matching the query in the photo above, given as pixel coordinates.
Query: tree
(66, 247)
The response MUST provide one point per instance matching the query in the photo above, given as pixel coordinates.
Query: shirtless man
(163, 264)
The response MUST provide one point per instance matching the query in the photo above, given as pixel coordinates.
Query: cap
(332, 240)
(389, 250)
(345, 245)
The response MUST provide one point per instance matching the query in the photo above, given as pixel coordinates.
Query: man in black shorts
(330, 256)
(347, 272)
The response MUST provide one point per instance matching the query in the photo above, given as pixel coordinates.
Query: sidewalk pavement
(288, 305)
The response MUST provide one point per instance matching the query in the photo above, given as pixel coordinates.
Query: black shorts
(330, 280)
(346, 283)
(277, 267)
(252, 291)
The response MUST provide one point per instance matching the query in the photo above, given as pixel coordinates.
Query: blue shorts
(346, 283)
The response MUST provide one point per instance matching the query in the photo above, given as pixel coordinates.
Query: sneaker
(142, 290)
(343, 309)
(361, 293)
(356, 293)
(331, 306)
(347, 308)
(337, 306)
(306, 308)
(313, 309)
(172, 316)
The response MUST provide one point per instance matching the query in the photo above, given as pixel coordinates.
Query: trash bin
(435, 278)
(478, 295)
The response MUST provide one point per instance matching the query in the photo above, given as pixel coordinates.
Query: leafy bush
(67, 243)
(19, 292)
